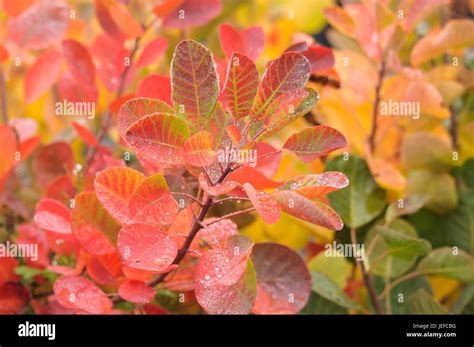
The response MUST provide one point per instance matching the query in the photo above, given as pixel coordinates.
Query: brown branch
(367, 278)
(375, 110)
(233, 214)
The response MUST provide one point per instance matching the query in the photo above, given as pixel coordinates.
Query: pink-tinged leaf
(248, 42)
(287, 73)
(156, 87)
(240, 86)
(314, 212)
(269, 158)
(136, 292)
(99, 273)
(214, 235)
(24, 127)
(152, 51)
(15, 7)
(62, 189)
(234, 133)
(312, 143)
(53, 161)
(106, 21)
(196, 13)
(198, 149)
(194, 81)
(134, 109)
(7, 270)
(265, 204)
(28, 146)
(115, 187)
(42, 74)
(85, 134)
(52, 215)
(340, 20)
(124, 20)
(13, 298)
(73, 90)
(79, 61)
(152, 202)
(81, 294)
(95, 230)
(39, 26)
(146, 247)
(7, 150)
(320, 57)
(314, 186)
(281, 275)
(218, 189)
(257, 179)
(165, 7)
(3, 54)
(225, 279)
(159, 139)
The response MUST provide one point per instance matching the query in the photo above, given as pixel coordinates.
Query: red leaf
(192, 13)
(15, 7)
(13, 298)
(79, 62)
(258, 180)
(213, 235)
(287, 73)
(72, 90)
(156, 87)
(152, 202)
(53, 216)
(320, 57)
(241, 85)
(269, 163)
(166, 7)
(3, 54)
(159, 139)
(7, 270)
(152, 51)
(61, 189)
(115, 187)
(146, 247)
(85, 134)
(28, 146)
(39, 26)
(198, 149)
(98, 272)
(7, 150)
(267, 207)
(314, 186)
(124, 20)
(234, 134)
(135, 109)
(248, 42)
(311, 211)
(217, 189)
(53, 161)
(195, 85)
(81, 294)
(283, 281)
(42, 74)
(136, 292)
(312, 143)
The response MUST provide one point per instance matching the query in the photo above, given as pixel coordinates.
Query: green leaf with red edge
(136, 292)
(314, 212)
(85, 134)
(79, 62)
(39, 26)
(241, 85)
(146, 247)
(283, 281)
(53, 161)
(53, 215)
(152, 202)
(197, 12)
(287, 73)
(152, 51)
(198, 149)
(194, 81)
(265, 204)
(94, 228)
(312, 143)
(42, 74)
(156, 87)
(249, 41)
(285, 109)
(79, 293)
(225, 278)
(316, 185)
(159, 139)
(115, 187)
(217, 189)
(134, 109)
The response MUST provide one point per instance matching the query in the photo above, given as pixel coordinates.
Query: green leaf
(337, 269)
(409, 205)
(329, 290)
(27, 272)
(450, 263)
(423, 303)
(402, 245)
(362, 200)
(319, 305)
(467, 173)
(465, 302)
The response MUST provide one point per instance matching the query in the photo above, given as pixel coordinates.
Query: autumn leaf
(316, 185)
(197, 12)
(42, 74)
(52, 215)
(248, 42)
(266, 206)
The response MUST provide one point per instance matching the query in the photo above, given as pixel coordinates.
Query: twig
(231, 198)
(233, 214)
(399, 280)
(375, 111)
(367, 278)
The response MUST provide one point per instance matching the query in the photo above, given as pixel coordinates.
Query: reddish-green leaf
(287, 73)
(313, 186)
(136, 292)
(159, 139)
(241, 85)
(265, 204)
(156, 87)
(42, 74)
(312, 143)
(283, 281)
(195, 85)
(192, 13)
(52, 215)
(198, 149)
(314, 212)
(114, 187)
(81, 294)
(146, 247)
(152, 202)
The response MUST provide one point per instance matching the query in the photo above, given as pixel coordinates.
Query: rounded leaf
(198, 149)
(265, 204)
(136, 292)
